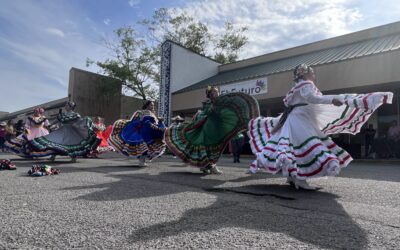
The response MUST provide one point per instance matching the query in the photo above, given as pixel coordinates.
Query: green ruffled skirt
(202, 141)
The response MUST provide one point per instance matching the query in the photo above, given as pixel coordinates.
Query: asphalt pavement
(111, 203)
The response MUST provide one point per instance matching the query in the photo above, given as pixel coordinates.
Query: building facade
(94, 95)
(360, 62)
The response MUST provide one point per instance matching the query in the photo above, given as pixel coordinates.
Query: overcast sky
(40, 40)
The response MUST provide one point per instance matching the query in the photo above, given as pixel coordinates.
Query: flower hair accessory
(71, 104)
(210, 89)
(301, 70)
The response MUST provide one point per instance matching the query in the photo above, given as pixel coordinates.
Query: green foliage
(224, 47)
(230, 43)
(133, 62)
(136, 61)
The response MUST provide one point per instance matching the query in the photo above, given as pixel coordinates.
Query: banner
(250, 87)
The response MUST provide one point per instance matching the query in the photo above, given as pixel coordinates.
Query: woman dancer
(74, 138)
(202, 141)
(35, 126)
(297, 142)
(140, 137)
(103, 133)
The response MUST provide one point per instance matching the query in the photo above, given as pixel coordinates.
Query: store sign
(251, 87)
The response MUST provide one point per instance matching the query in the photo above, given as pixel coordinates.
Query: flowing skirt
(103, 136)
(138, 138)
(19, 145)
(72, 139)
(36, 132)
(302, 147)
(202, 141)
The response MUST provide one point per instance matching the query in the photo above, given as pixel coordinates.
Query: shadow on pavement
(102, 169)
(311, 224)
(311, 217)
(128, 187)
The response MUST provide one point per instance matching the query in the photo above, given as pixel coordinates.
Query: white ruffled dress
(302, 147)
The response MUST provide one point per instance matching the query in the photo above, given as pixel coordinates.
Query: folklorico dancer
(202, 141)
(74, 138)
(35, 126)
(297, 142)
(140, 137)
(103, 133)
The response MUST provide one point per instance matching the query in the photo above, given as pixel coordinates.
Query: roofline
(187, 89)
(369, 33)
(190, 50)
(51, 105)
(93, 73)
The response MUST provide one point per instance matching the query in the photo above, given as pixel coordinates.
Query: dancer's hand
(336, 102)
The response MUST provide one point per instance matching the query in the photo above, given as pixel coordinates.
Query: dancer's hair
(146, 104)
(210, 89)
(71, 104)
(300, 71)
(98, 118)
(40, 111)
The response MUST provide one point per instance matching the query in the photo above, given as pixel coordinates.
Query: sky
(40, 40)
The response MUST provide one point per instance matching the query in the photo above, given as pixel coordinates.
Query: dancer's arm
(153, 125)
(310, 93)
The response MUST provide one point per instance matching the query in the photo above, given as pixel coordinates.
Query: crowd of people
(385, 145)
(296, 143)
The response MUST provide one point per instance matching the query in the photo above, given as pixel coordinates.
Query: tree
(230, 43)
(167, 24)
(134, 63)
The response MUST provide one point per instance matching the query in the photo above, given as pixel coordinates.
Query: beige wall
(95, 95)
(361, 72)
(129, 105)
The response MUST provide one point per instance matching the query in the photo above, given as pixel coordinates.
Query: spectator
(237, 145)
(393, 138)
(2, 135)
(369, 138)
(176, 121)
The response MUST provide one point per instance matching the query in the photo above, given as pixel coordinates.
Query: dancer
(35, 126)
(297, 141)
(202, 141)
(74, 138)
(103, 133)
(141, 136)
